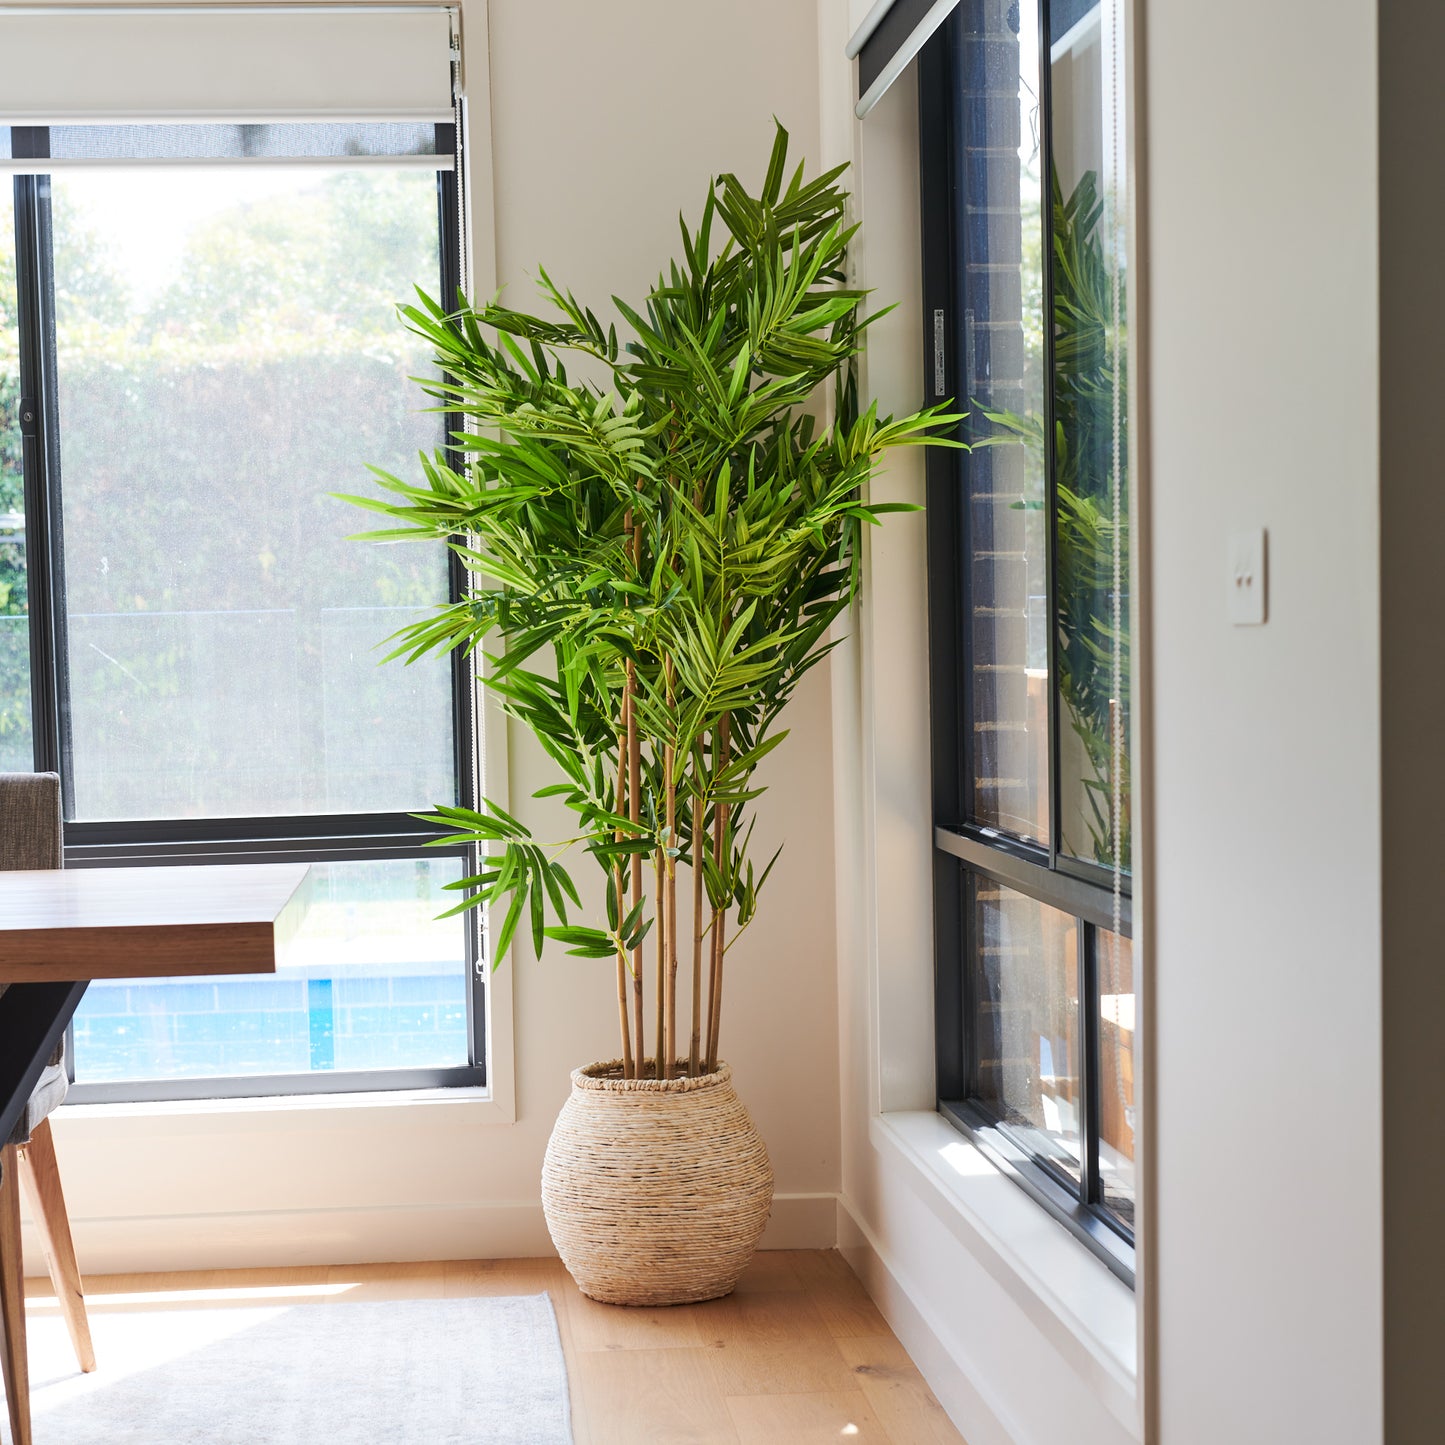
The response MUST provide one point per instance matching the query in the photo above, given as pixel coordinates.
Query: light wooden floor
(798, 1354)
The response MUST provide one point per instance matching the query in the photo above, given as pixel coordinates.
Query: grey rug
(405, 1372)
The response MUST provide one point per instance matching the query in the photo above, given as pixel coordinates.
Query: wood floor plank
(838, 1294)
(613, 1327)
(899, 1395)
(773, 1344)
(505, 1277)
(822, 1419)
(192, 1289)
(771, 1269)
(389, 1281)
(661, 1397)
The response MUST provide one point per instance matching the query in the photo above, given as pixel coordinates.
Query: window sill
(476, 1105)
(1070, 1296)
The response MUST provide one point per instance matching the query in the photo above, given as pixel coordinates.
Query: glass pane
(16, 747)
(374, 981)
(1091, 418)
(1116, 1073)
(228, 357)
(1002, 350)
(1026, 1023)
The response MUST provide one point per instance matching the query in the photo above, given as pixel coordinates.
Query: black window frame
(962, 848)
(314, 838)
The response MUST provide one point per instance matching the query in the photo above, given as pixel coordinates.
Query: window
(1026, 285)
(16, 747)
(198, 348)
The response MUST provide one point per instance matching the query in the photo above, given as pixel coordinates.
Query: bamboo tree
(675, 545)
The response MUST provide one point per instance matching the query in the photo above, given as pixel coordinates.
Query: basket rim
(605, 1076)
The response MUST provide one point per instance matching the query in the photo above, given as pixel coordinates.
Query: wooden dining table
(59, 929)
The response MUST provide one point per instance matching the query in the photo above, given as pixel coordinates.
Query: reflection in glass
(1091, 542)
(1002, 356)
(229, 356)
(1026, 1022)
(16, 746)
(373, 980)
(1115, 962)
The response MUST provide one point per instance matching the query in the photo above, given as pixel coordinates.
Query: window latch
(29, 414)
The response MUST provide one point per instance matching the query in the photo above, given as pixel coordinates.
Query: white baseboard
(258, 1238)
(922, 1337)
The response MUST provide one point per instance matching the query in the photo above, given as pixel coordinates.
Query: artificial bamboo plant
(676, 542)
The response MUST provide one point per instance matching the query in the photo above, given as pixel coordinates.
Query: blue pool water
(408, 1016)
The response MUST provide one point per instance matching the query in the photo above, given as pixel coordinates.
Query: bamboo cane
(634, 805)
(629, 1070)
(670, 1034)
(634, 895)
(699, 842)
(719, 915)
(660, 1036)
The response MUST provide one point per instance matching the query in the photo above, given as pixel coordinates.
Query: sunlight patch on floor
(162, 1298)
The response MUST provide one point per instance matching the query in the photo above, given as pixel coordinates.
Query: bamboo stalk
(629, 1070)
(719, 951)
(699, 842)
(660, 1037)
(634, 806)
(634, 895)
(670, 1034)
(719, 915)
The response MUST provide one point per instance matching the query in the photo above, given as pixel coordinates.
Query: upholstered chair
(30, 837)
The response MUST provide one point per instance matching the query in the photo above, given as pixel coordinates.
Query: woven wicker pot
(655, 1191)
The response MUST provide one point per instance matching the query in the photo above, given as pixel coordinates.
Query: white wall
(1263, 1262)
(1263, 374)
(603, 122)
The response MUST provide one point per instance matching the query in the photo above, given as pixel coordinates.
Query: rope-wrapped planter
(655, 1191)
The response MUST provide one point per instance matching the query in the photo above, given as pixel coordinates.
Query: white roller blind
(75, 65)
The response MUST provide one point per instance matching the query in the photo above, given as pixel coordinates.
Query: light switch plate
(1246, 577)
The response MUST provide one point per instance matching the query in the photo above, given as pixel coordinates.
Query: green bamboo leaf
(509, 925)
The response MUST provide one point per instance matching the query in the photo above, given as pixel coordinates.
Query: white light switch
(1245, 578)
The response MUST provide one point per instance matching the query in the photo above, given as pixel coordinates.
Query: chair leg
(40, 1175)
(12, 1301)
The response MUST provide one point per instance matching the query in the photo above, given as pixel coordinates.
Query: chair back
(30, 827)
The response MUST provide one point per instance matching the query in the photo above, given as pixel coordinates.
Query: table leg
(12, 1300)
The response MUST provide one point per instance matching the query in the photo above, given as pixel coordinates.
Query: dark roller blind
(893, 41)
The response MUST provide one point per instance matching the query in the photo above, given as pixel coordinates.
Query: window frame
(962, 847)
(311, 838)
